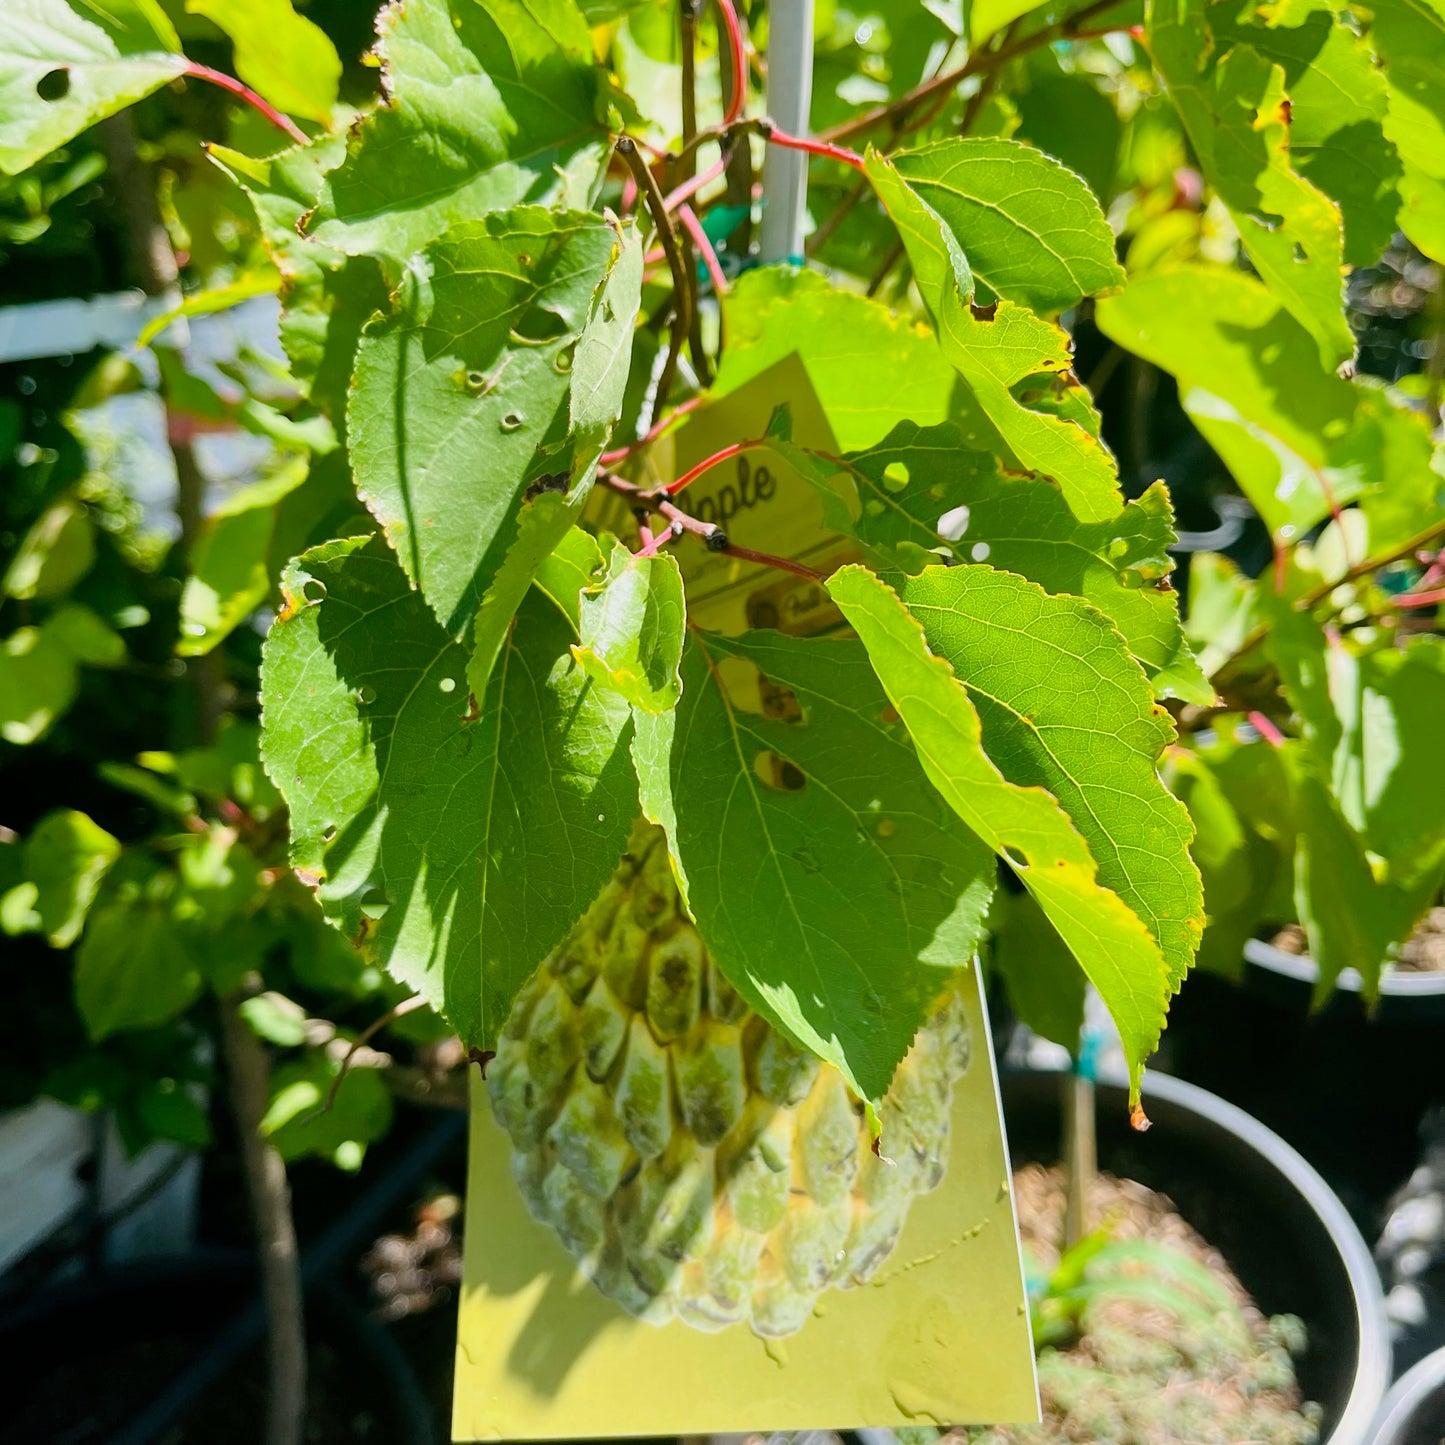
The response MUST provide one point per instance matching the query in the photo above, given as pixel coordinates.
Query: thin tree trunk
(248, 1066)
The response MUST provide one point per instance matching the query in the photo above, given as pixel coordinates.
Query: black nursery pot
(86, 1360)
(1282, 1229)
(1414, 1410)
(1345, 1085)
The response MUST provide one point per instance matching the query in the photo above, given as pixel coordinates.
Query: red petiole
(229, 82)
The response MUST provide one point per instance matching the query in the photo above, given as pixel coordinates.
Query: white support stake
(789, 101)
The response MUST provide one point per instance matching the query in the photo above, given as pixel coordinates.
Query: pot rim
(1395, 983)
(1406, 1396)
(1373, 1354)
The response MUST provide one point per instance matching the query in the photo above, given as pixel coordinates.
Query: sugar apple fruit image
(693, 1161)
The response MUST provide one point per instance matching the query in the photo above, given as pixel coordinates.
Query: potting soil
(1138, 1374)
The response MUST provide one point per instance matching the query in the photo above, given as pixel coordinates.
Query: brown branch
(248, 1075)
(655, 500)
(976, 64)
(1315, 595)
(400, 1010)
(682, 291)
(248, 1068)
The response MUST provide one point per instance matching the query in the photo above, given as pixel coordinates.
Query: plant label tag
(629, 1275)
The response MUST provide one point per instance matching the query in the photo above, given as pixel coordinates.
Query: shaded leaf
(460, 399)
(458, 847)
(66, 857)
(326, 297)
(298, 1125)
(279, 54)
(826, 876)
(921, 490)
(994, 355)
(1250, 378)
(631, 627)
(1233, 104)
(54, 554)
(134, 968)
(1045, 985)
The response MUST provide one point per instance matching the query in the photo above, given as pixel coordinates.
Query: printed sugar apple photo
(696, 1163)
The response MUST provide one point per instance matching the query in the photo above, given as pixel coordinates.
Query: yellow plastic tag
(939, 1334)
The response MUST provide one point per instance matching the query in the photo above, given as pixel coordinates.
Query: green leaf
(922, 486)
(1349, 917)
(963, 700)
(845, 342)
(66, 856)
(603, 357)
(1067, 117)
(1338, 102)
(64, 66)
(460, 399)
(457, 847)
(261, 282)
(631, 627)
(326, 297)
(1251, 380)
(987, 17)
(38, 682)
(1232, 101)
(599, 368)
(1422, 211)
(230, 574)
(168, 1111)
(827, 878)
(1371, 723)
(1239, 799)
(490, 104)
(54, 554)
(569, 567)
(1409, 37)
(1031, 229)
(1045, 985)
(275, 1018)
(134, 968)
(300, 1126)
(994, 355)
(280, 54)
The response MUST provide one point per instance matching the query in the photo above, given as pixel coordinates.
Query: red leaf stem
(707, 464)
(777, 137)
(740, 65)
(228, 82)
(690, 188)
(1267, 730)
(693, 227)
(611, 459)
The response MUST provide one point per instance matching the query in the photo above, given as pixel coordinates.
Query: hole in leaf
(895, 476)
(538, 326)
(448, 684)
(328, 833)
(979, 551)
(374, 904)
(1015, 859)
(313, 590)
(984, 313)
(53, 85)
(511, 421)
(1300, 254)
(779, 773)
(953, 523)
(365, 694)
